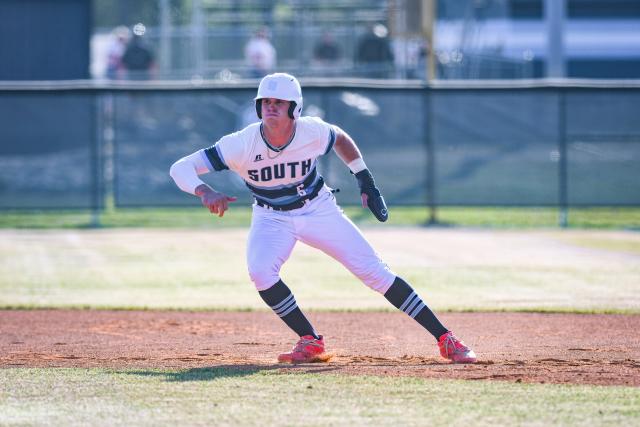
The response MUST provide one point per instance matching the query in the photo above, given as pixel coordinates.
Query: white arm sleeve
(186, 170)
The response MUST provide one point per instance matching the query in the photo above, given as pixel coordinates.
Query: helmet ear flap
(259, 108)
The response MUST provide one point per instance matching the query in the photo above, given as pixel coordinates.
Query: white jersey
(292, 202)
(277, 176)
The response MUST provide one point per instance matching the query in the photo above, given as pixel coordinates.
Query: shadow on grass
(211, 373)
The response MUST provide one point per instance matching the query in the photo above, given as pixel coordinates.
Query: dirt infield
(536, 348)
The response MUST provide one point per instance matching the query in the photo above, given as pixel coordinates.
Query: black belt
(295, 205)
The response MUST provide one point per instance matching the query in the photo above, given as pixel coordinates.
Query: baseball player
(277, 158)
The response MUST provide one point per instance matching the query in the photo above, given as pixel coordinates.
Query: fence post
(563, 182)
(327, 172)
(431, 161)
(108, 119)
(96, 166)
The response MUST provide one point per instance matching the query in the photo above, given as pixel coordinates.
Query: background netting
(48, 150)
(520, 146)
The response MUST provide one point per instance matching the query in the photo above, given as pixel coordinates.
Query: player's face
(275, 111)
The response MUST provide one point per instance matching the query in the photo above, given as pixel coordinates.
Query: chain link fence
(564, 144)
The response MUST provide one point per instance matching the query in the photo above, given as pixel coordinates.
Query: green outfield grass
(240, 216)
(187, 259)
(453, 269)
(231, 396)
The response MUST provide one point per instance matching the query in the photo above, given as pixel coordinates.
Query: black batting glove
(374, 200)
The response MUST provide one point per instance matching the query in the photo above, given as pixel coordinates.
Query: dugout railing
(486, 143)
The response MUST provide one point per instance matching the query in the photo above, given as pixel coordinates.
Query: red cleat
(453, 349)
(307, 350)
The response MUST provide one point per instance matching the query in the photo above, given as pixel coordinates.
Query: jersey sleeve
(325, 134)
(225, 154)
(332, 138)
(215, 158)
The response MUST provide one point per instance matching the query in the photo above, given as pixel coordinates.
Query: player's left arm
(347, 150)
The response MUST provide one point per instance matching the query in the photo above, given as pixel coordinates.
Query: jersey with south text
(276, 176)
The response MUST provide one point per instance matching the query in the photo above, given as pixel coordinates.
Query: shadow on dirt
(211, 373)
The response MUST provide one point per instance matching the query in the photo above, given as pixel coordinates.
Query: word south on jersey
(280, 171)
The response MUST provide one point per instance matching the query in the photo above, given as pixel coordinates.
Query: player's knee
(379, 278)
(263, 277)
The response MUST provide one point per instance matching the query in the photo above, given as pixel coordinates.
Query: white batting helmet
(280, 86)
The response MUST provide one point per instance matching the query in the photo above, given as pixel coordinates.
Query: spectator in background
(138, 59)
(410, 57)
(421, 66)
(117, 45)
(260, 54)
(374, 57)
(326, 51)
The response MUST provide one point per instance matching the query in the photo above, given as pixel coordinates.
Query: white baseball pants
(320, 224)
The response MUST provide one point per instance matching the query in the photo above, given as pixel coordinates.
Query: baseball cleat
(307, 350)
(453, 349)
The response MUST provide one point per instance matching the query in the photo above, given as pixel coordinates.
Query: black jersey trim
(286, 191)
(332, 140)
(293, 205)
(215, 158)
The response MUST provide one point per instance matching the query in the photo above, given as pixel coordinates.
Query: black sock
(403, 297)
(283, 303)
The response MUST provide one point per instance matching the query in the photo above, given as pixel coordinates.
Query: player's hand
(217, 203)
(365, 199)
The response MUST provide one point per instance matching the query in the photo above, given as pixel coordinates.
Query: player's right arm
(185, 174)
